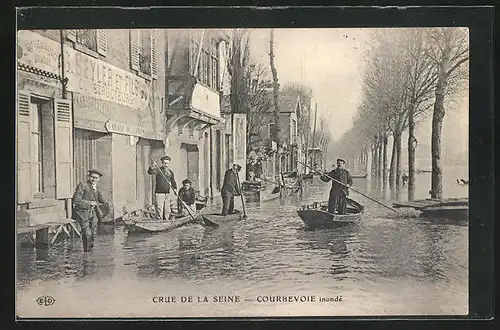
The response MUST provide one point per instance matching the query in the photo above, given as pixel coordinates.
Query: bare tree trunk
(392, 169)
(412, 144)
(437, 125)
(384, 166)
(397, 141)
(380, 157)
(375, 174)
(275, 86)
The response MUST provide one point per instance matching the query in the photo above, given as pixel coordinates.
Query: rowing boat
(217, 217)
(315, 215)
(359, 176)
(147, 220)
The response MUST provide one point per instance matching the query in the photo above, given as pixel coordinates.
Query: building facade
(200, 138)
(85, 102)
(289, 150)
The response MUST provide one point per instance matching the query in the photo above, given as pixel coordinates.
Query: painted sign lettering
(86, 75)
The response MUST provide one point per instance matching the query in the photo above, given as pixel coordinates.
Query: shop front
(110, 119)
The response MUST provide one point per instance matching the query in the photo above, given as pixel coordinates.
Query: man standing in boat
(230, 188)
(86, 200)
(164, 181)
(339, 192)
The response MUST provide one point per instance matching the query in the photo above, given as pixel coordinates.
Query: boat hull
(146, 224)
(159, 225)
(218, 218)
(315, 215)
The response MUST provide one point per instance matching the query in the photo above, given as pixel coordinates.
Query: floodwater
(391, 264)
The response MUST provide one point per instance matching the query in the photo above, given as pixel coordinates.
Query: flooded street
(391, 264)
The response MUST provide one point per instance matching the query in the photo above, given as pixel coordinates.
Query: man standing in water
(339, 192)
(230, 188)
(164, 180)
(85, 201)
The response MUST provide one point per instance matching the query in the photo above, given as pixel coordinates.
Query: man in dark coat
(164, 180)
(85, 201)
(188, 196)
(339, 192)
(230, 188)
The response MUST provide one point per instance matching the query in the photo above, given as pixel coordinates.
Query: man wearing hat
(339, 192)
(188, 196)
(86, 201)
(164, 180)
(230, 188)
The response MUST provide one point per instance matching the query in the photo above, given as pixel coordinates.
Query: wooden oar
(388, 207)
(241, 195)
(204, 220)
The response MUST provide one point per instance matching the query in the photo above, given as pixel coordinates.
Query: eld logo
(45, 301)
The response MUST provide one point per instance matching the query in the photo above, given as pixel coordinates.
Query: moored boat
(315, 215)
(359, 176)
(218, 218)
(147, 220)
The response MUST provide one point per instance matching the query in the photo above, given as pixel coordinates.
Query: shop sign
(205, 100)
(86, 75)
(119, 128)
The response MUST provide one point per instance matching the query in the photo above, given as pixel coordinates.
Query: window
(271, 130)
(89, 41)
(87, 38)
(145, 52)
(294, 131)
(207, 65)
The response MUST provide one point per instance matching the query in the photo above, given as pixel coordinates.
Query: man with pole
(230, 188)
(164, 180)
(341, 181)
(344, 185)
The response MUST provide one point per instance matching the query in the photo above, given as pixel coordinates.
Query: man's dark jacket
(84, 194)
(230, 185)
(341, 175)
(162, 184)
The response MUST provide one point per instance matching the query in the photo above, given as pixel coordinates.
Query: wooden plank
(445, 208)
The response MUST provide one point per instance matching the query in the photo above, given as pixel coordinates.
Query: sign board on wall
(119, 128)
(205, 100)
(86, 75)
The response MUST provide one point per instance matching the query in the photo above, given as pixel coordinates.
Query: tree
(420, 83)
(260, 100)
(449, 50)
(238, 61)
(275, 86)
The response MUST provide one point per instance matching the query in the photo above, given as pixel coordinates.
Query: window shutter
(134, 49)
(24, 165)
(102, 42)
(154, 56)
(63, 122)
(71, 35)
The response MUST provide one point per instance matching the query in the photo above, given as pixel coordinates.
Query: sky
(330, 61)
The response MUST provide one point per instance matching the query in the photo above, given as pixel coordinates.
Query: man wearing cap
(86, 200)
(230, 188)
(188, 196)
(339, 192)
(164, 180)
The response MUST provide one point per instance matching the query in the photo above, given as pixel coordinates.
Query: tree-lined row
(408, 73)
